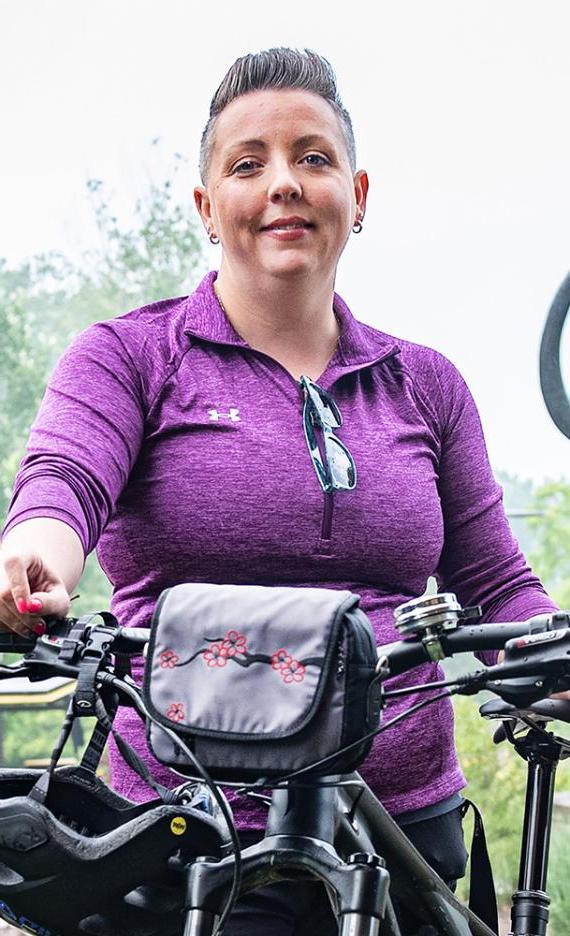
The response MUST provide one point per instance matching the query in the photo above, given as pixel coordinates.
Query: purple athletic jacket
(167, 442)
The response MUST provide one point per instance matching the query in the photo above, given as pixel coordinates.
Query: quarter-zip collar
(359, 345)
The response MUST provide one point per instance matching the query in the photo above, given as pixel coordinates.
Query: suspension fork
(298, 844)
(360, 884)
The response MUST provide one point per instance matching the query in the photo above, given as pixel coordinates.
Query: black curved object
(90, 862)
(551, 383)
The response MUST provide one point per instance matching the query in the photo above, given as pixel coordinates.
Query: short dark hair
(277, 68)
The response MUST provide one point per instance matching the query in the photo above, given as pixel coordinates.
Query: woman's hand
(28, 590)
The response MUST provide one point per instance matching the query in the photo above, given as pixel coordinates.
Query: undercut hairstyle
(272, 69)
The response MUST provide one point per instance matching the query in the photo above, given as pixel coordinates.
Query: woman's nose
(284, 184)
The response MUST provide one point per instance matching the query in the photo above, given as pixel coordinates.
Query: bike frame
(335, 830)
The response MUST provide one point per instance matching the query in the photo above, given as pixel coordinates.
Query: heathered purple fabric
(136, 449)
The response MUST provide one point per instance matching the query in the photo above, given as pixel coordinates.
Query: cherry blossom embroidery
(234, 642)
(293, 672)
(168, 659)
(175, 712)
(233, 646)
(217, 655)
(280, 659)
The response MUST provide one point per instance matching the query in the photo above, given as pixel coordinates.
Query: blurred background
(460, 113)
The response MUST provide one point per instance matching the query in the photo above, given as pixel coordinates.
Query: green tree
(496, 783)
(46, 301)
(496, 775)
(551, 553)
(518, 498)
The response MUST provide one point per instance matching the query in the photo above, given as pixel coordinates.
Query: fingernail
(22, 605)
(34, 605)
(40, 629)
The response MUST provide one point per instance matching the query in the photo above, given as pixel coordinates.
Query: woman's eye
(245, 166)
(316, 159)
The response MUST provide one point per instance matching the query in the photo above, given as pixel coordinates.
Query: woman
(172, 439)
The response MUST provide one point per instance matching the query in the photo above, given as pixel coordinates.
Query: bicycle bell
(430, 616)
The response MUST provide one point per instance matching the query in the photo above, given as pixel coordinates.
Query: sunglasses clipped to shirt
(333, 463)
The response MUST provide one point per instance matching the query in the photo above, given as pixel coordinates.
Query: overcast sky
(461, 112)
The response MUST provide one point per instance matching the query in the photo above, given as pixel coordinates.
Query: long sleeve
(481, 560)
(85, 438)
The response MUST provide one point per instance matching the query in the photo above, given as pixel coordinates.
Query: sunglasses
(333, 463)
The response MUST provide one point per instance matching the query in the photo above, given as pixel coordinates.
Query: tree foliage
(551, 553)
(47, 300)
(496, 775)
(496, 783)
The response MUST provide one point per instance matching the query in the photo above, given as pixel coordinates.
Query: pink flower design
(280, 659)
(294, 672)
(234, 642)
(217, 655)
(168, 659)
(175, 712)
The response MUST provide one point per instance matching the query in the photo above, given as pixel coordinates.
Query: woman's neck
(292, 322)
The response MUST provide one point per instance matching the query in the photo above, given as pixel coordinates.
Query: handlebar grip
(131, 640)
(406, 654)
(10, 642)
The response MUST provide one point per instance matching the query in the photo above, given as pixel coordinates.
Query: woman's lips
(287, 229)
(287, 233)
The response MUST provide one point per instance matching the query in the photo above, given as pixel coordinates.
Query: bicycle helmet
(89, 862)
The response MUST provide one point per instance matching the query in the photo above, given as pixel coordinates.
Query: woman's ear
(361, 191)
(202, 202)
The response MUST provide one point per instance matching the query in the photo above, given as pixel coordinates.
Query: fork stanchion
(199, 923)
(206, 885)
(354, 924)
(370, 882)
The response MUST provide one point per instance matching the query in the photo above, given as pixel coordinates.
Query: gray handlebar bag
(258, 681)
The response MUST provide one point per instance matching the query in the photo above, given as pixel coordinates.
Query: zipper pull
(340, 658)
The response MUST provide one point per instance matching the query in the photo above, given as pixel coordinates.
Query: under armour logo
(233, 415)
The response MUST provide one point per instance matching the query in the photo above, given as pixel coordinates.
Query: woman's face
(280, 192)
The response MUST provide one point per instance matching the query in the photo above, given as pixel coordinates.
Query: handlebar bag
(258, 681)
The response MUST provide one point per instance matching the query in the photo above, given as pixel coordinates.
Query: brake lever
(545, 656)
(11, 642)
(42, 658)
(523, 691)
(37, 652)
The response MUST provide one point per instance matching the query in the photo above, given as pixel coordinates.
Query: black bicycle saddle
(549, 709)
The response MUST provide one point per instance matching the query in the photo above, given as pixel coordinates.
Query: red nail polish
(22, 605)
(34, 605)
(40, 629)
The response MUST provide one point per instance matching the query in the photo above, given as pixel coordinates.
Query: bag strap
(482, 896)
(104, 726)
(132, 758)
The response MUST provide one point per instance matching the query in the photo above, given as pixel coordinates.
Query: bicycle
(174, 866)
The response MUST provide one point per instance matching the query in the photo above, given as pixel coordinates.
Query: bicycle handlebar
(395, 658)
(403, 655)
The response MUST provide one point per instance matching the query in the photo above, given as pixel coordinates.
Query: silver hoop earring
(357, 227)
(214, 239)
